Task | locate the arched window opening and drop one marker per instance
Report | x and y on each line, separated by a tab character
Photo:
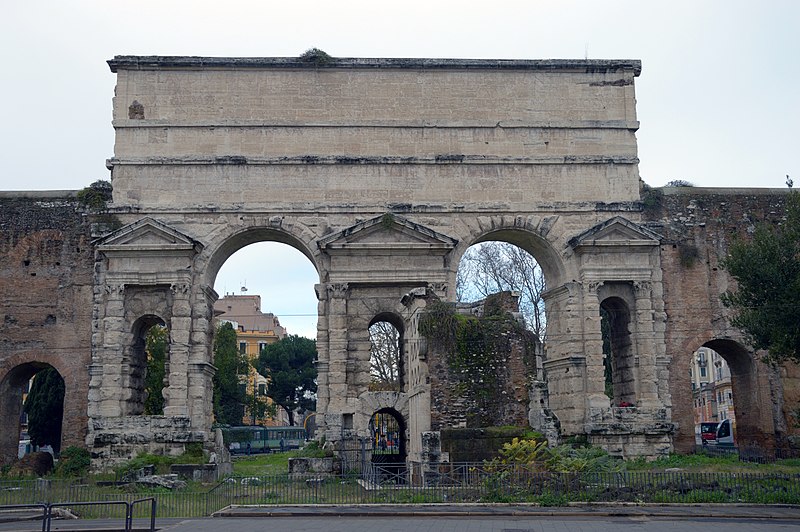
497	266
148	369
618	359
386	432
385	357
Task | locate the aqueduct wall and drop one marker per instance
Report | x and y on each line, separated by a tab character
382	172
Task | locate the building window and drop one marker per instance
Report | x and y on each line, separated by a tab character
702	371
262	389
243	347
261	346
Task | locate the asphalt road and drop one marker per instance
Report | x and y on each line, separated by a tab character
462	518
483	524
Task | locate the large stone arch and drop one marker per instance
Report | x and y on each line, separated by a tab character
532	234
754	384
223	243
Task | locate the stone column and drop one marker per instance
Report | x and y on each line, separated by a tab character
107	384
337	357
323	367
646	387
176	393
200	369
596	397
564	361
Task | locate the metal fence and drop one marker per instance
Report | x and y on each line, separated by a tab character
422	483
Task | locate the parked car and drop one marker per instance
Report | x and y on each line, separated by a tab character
724	433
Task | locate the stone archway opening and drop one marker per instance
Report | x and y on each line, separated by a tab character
148	366
386	357
735	393
19	409
280	274
712	393
266	290
618	357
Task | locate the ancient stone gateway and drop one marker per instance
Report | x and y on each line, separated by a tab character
382	172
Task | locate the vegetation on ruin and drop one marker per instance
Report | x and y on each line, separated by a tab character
315	56
767	273
387	220
73	462
95	199
651	198
288	365
538	456
96	196
476	350
194	455
679	183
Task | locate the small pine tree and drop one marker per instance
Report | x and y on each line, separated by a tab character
45	408
229	397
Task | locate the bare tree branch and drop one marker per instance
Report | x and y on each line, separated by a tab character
384	359
491	267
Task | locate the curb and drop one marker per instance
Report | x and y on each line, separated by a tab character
783	512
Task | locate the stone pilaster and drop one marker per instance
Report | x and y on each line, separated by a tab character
647	387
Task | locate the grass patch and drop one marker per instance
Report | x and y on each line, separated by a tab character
258	465
703	463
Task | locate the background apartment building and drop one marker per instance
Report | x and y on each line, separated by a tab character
711	387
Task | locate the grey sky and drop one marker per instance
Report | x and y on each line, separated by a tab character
717	98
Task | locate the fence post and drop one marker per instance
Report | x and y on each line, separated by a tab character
128	516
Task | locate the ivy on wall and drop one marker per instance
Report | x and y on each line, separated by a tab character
476	351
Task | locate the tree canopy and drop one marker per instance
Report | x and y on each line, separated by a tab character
45	408
229	395
767	273
288	365
384	356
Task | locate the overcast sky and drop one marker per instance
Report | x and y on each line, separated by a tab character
717	98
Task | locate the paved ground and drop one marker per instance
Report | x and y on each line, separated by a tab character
466	518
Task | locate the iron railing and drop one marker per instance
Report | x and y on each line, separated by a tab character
96	509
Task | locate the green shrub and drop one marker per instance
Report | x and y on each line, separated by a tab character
74	462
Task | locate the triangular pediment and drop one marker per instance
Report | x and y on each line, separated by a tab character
387	232
147	234
617	231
